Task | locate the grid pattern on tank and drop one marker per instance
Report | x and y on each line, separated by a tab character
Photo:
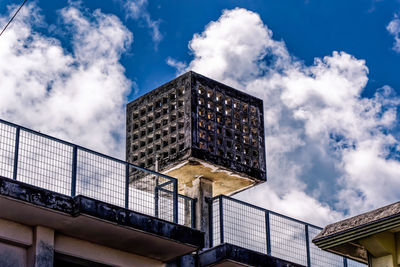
156	126
228	127
194	117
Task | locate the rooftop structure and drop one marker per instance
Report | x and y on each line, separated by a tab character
199	127
40	228
372	237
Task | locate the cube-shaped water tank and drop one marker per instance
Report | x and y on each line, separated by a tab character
195	126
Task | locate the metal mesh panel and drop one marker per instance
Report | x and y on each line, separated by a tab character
216	238
288	239
100	178
351	263
44	162
49	163
319	257
7	150
166	200
142	191
244	226
185	211
151	194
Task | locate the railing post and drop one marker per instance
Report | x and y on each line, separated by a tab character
193	212
344	262
156	197
268	233
307	246
221	219
175	183
210	220
17	133
74	166
127	186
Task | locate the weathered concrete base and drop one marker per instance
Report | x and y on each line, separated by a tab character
201	189
225	181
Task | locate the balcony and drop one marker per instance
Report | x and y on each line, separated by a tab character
262	231
83	194
59	166
47	181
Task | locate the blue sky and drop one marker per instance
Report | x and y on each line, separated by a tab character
328	72
309	28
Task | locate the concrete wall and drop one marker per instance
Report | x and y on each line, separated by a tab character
22	245
12	256
14	241
101	254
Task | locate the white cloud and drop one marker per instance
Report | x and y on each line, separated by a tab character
136	9
394	29
178	65
327	147
78	95
220	51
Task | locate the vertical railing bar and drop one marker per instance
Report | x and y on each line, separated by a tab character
268	232
156	199
156	191
193	211
210	220
221	219
16	152
74	167
344	262
307	246
127	186
175	208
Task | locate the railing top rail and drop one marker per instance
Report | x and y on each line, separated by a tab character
265	210
36	132
179	195
86	149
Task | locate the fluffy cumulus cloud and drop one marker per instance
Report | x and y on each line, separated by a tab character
394	29
137	9
77	94
328	149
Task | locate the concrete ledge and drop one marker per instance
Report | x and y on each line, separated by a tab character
231	255
146	223
37	196
96	221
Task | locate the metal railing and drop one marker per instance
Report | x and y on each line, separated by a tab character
44	161
248	226
53	164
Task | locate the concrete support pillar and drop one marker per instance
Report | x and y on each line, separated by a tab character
41	253
201	189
